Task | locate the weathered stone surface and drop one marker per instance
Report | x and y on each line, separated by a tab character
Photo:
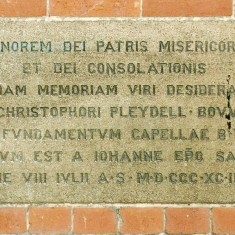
62	102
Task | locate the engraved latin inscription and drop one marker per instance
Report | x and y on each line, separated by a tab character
117	112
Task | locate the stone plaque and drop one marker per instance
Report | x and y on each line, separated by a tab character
117	112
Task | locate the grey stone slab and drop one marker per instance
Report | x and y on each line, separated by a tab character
117	112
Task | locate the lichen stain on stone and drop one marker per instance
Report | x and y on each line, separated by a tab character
228	116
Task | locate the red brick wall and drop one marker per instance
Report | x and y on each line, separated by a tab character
113	219
115	8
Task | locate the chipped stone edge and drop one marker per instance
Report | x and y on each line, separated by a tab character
118	205
113	19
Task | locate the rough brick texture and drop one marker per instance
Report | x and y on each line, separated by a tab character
22	8
187	220
224	220
105	8
141	220
12	220
50	220
95	221
171	8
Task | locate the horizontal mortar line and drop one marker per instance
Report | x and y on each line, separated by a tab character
118	205
134	19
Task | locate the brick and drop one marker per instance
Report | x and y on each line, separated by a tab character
95	221
101	8
141	220
50	220
12	220
22	8
187	220
174	8
224	220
